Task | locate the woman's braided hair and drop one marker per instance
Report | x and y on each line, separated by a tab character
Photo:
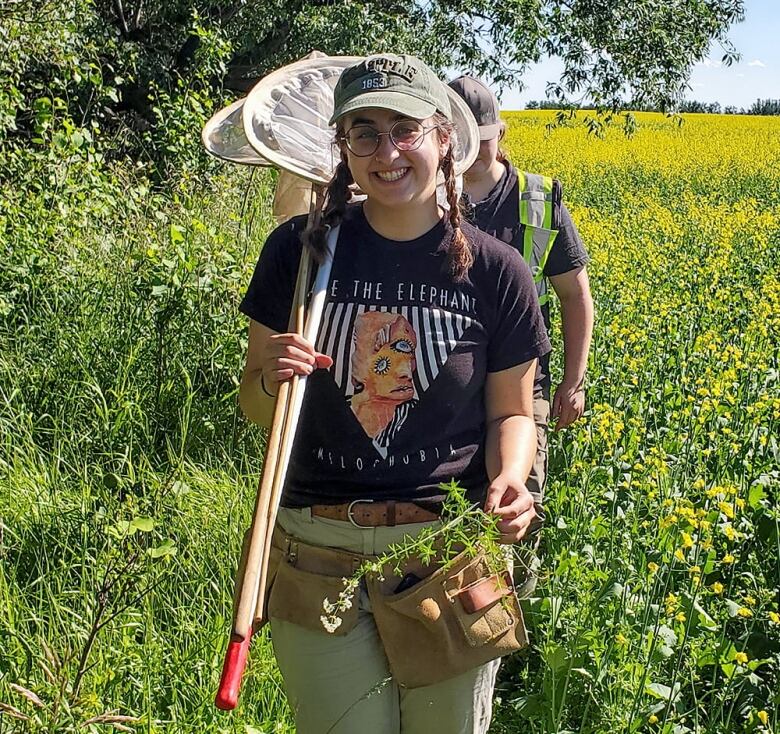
459	253
315	236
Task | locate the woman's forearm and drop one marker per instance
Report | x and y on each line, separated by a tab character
573	291
577	327
510	446
256	405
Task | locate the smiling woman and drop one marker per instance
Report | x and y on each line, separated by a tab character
421	374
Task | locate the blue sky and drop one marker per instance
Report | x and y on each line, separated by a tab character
756	75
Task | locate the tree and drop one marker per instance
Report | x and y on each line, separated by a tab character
765	107
146	72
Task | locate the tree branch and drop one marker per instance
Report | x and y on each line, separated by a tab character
137	16
120	11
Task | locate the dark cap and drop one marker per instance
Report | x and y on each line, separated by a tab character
482	103
399	83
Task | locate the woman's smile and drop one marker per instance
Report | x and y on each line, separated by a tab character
392	175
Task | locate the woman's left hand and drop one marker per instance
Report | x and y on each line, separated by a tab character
509	498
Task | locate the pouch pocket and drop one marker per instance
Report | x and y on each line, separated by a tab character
297	596
483	593
428	633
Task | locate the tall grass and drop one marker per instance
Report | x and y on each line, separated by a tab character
126	472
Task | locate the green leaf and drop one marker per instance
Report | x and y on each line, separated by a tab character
530	707
705	620
166	548
659	690
732	607
584	672
556	658
144	524
668	635
177	234
755	494
705	658
124	527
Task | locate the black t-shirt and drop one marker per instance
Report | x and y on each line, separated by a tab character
498	214
402	408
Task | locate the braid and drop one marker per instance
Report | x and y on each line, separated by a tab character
459	254
315	236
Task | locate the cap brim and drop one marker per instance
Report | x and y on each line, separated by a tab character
399	102
489	132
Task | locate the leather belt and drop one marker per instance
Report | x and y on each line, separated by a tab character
371	514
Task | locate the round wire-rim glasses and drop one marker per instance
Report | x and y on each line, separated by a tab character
363	140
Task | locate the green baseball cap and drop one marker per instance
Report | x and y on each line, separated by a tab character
402	84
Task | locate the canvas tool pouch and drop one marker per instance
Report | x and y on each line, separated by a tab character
454	620
305	576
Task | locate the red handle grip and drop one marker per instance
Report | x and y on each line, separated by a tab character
232	670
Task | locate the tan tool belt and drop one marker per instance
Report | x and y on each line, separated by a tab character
451	621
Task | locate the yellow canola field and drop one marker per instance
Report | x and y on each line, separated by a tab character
662	553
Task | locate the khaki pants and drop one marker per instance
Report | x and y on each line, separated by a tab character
342	684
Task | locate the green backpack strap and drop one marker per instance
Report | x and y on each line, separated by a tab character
537	214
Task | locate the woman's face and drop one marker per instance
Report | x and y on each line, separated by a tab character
392	177
392	367
488	150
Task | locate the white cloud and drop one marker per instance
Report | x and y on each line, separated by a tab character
709	64
757	62
740	76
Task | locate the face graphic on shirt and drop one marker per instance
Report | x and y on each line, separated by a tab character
382	368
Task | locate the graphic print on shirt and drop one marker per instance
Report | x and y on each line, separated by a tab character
385	359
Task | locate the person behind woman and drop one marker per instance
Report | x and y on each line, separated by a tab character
422	373
498	200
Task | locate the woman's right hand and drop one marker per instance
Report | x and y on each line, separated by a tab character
286	355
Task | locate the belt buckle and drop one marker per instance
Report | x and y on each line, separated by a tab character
350	506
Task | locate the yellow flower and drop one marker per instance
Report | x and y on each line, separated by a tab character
717	587
621	639
652	719
744	612
652	567
728	558
671	602
679	555
680	617
730	533
750	600
774	617
763	717
687	541
726	509
741	658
